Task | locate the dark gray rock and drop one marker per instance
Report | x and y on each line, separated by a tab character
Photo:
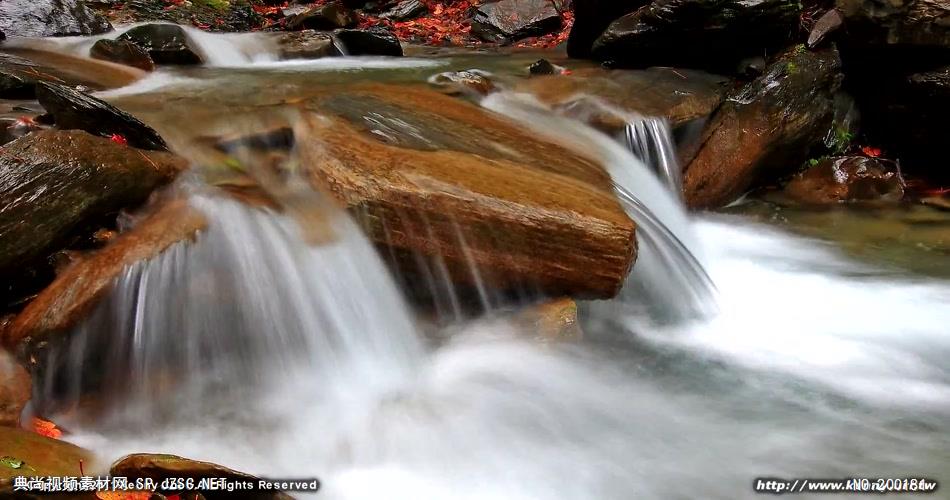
510	20
122	52
75	110
39	18
323	17
307	44
591	18
707	34
165	44
406	10
376	41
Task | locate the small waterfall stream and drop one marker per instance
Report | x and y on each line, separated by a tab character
259	350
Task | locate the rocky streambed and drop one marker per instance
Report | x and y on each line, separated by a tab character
822	118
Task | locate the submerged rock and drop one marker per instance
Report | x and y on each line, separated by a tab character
122	52
709	34
591	18
436	177
18	75
15	390
766	129
678	95
307	44
328	16
78	288
473	81
375	41
75	110
54	183
165	43
39	18
847	179
510	20
161	467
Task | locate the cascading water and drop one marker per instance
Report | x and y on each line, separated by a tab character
258	350
669	271
651	140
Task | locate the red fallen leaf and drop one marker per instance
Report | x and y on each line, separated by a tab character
45	428
566	71
119	139
871	151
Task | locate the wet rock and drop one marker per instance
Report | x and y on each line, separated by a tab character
555	320
473	81
375	41
161	467
708	34
828	23
122	52
37	455
12	129
542	67
765	129
40	18
75	110
20	69
438	176
78	288
510	20
165	43
53	183
591	18
329	16
406	10
679	95
752	67
15	388
307	44
847	179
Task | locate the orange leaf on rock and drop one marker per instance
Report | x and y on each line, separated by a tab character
871	151
46	428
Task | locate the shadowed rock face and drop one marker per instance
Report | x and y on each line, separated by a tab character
847	179
430	174
591	18
765	129
75	110
709	34
15	387
53	183
79	287
39	18
160	467
905	23
376	41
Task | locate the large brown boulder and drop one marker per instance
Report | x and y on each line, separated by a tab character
39	18
847	179
15	389
21	69
710	34
437	176
78	288
36	455
122	52
55	183
766	129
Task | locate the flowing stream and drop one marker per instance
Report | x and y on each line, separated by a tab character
738	349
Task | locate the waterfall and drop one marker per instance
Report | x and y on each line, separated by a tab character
249	305
651	140
668	276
